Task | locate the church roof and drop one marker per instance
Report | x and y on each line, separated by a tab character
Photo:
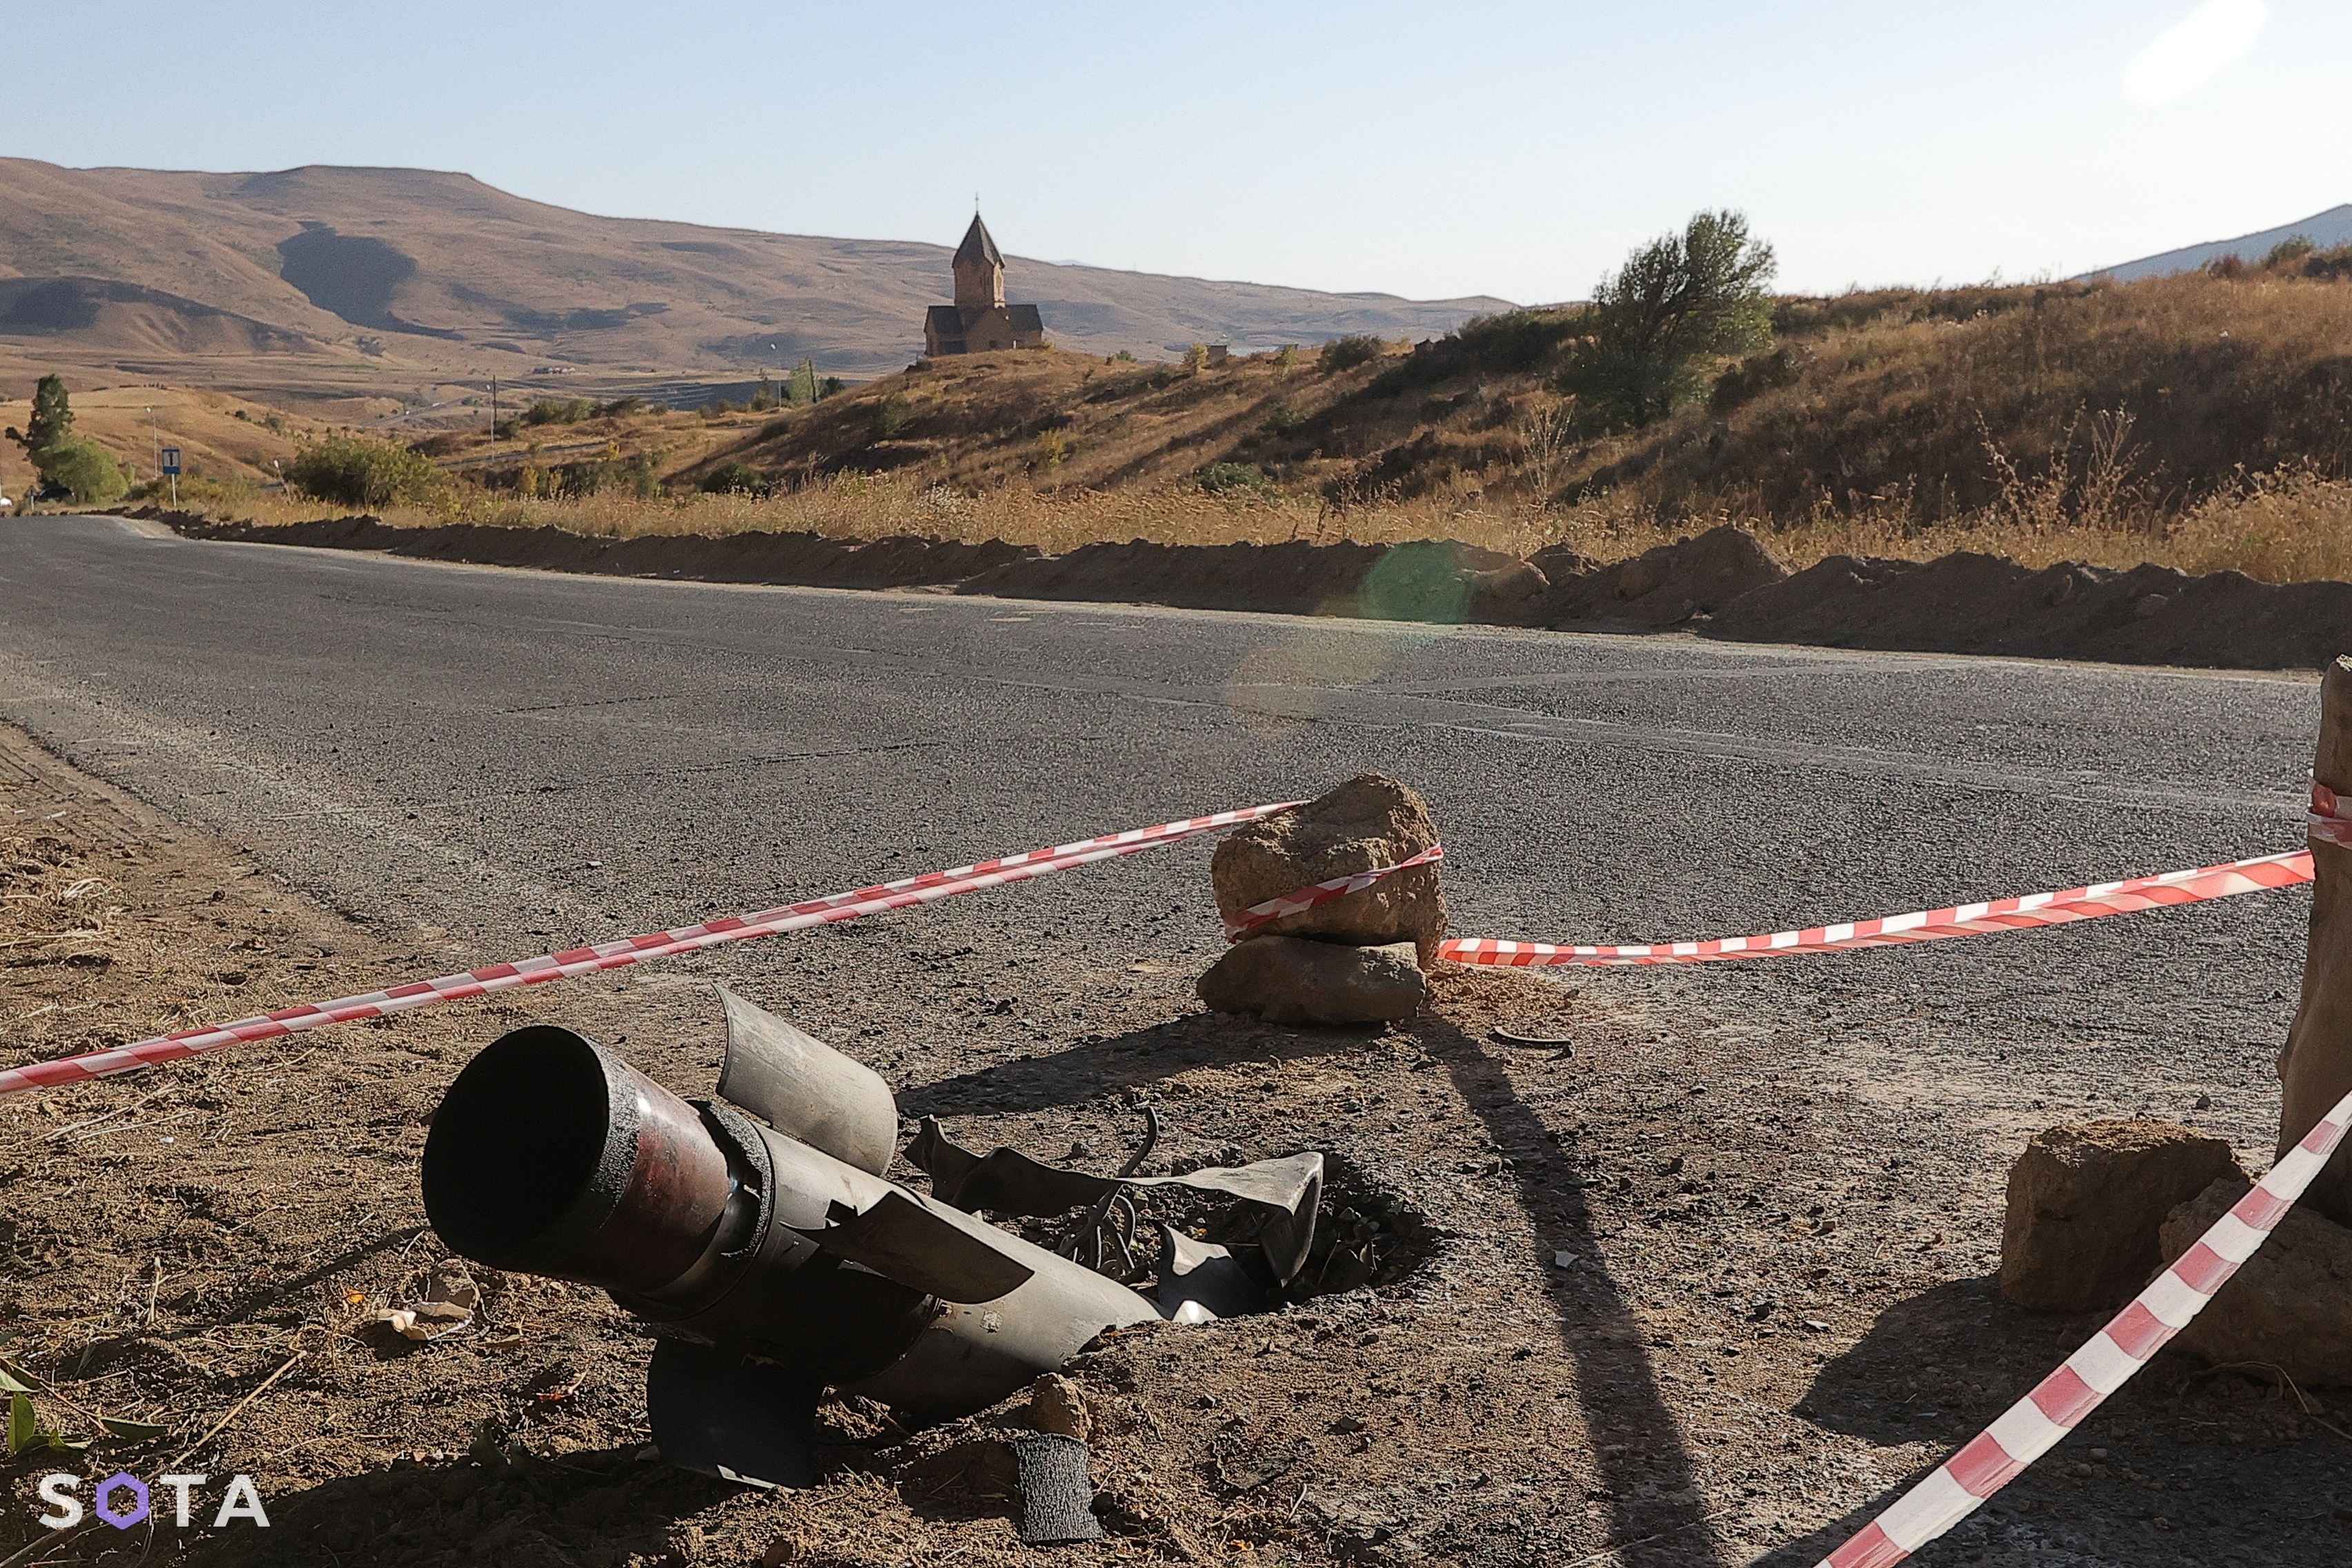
978	247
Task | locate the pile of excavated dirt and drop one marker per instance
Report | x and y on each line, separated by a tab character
1674	585
1967	603
805	559
1726	583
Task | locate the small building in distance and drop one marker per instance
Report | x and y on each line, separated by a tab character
980	320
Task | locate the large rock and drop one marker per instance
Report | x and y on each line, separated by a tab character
1294	980
2289	1306
2086	1202
1371	820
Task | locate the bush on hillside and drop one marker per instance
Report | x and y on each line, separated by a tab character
1348	352
890	417
353	471
2295	256
1516	342
558	411
1239	480
1756	374
735	477
2287	252
1678	304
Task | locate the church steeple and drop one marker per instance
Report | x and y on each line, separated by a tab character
979	270
980	322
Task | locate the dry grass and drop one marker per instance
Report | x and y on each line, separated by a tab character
2195	380
2199	422
2278	529
51	909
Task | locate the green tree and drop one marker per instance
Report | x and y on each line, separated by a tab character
801	387
1678	303
763	397
83	469
1348	352
52	419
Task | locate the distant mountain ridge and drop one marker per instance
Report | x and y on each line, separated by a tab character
440	272
2327	230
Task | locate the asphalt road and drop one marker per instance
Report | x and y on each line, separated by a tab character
519	759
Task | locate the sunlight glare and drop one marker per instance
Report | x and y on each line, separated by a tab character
2184	57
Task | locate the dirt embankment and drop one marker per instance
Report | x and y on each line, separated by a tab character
805	560
1724	584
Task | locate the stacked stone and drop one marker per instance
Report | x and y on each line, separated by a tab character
1357	960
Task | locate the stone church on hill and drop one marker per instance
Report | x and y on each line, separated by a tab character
980	320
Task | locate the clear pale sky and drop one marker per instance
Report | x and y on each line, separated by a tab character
1479	146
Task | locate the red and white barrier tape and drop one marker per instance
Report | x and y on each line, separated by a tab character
2223	882
923	890
1257	915
2033	1426
2326	820
2007	914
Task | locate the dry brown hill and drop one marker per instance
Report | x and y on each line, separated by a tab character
404	281
2051	405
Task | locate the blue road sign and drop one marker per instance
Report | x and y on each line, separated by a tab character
171	461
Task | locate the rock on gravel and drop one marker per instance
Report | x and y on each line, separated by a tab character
1057	1406
2289	1307
1298	980
1371	821
2085	1202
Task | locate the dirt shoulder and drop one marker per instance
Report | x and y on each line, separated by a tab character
1677	1297
1724	584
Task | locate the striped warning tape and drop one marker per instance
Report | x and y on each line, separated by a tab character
617	954
2007	914
1257	915
2223	882
2326	821
2033	1426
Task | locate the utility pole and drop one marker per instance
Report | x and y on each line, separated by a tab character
494	413
154	441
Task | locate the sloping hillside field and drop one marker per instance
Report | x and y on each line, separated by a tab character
398	277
